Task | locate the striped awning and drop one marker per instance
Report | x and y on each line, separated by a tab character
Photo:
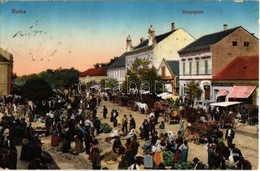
222	92
242	92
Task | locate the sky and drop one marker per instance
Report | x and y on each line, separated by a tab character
52	34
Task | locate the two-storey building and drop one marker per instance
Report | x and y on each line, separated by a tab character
155	48
159	47
203	58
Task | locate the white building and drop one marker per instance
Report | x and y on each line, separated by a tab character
155	48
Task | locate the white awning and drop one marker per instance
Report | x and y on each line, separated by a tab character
224	104
163	94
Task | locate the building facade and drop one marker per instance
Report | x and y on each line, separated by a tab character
117	69
206	56
155	48
238	81
159	47
6	70
169	72
93	74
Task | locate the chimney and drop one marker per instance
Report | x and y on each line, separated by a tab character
151	35
225	27
128	43
141	39
172	26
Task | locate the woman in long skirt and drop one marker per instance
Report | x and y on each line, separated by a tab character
54	138
157	153
184	152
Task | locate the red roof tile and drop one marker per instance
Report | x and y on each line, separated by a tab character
241	68
94	72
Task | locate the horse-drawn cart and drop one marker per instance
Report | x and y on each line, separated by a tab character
201	130
226	119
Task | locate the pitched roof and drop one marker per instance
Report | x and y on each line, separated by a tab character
241	68
120	62
5	56
158	39
101	71
208	40
174	65
3	59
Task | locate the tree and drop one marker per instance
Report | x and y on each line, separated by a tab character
142	77
193	90
97	65
36	89
48	76
66	78
61	78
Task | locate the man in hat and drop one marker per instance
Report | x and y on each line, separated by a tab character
213	155
236	154
124	124
96	124
230	134
132	123
105	111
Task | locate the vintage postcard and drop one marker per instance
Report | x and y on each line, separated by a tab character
129	85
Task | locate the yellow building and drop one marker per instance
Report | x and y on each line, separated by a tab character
6	72
93	74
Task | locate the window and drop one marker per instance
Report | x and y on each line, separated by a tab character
234	43
206	66
246	44
163	71
190	67
183	68
197	67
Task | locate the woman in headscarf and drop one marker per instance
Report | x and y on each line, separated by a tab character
148	158
177	150
54	137
157	153
94	146
79	135
184	152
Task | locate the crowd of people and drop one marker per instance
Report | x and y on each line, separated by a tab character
76	121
